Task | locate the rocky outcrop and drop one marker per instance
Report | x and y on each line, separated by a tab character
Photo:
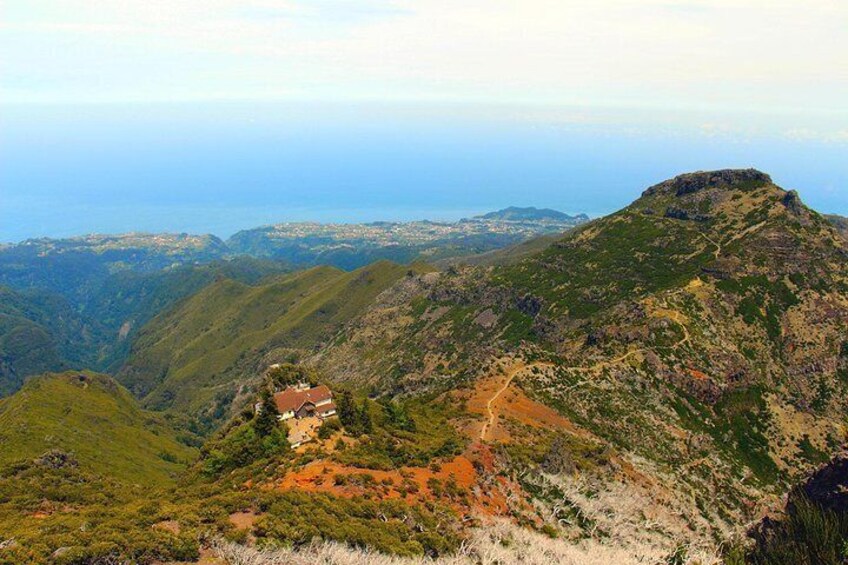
827	486
793	202
694	182
56	459
676	213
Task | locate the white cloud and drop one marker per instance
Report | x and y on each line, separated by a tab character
762	55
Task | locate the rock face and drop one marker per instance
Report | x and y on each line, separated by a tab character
793	202
694	182
676	213
821	499
828	485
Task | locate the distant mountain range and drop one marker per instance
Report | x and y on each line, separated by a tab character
78	302
514	213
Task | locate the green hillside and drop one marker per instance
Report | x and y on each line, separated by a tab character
41	332
199	352
45	331
698	334
75	267
95	419
127	300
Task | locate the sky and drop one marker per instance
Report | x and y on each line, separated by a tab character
223	114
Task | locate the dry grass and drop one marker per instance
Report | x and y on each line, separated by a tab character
631	515
499	543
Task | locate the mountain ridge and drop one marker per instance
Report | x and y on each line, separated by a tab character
517	213
693	330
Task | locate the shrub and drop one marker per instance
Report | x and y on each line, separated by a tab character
810	535
328	428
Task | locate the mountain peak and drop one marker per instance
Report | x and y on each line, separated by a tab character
531	213
693	182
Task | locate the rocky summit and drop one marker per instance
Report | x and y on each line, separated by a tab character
694	182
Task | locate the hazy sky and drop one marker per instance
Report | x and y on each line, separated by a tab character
762	55
378	103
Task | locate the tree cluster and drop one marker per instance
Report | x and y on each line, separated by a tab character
355	417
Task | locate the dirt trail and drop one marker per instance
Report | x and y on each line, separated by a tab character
672	314
515	370
492	416
718	246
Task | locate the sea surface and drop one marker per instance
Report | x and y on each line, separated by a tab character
221	167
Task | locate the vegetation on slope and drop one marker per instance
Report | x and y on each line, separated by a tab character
42	332
76	267
60	509
813	528
93	327
229	332
692	332
95	419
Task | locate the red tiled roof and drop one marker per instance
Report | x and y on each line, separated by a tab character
326	408
290	400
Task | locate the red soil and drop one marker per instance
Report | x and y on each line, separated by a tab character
320	476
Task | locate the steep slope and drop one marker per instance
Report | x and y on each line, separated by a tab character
698	335
41	332
44	331
203	350
505	256
97	421
839	222
127	300
86	476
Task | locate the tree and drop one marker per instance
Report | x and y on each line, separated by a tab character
363	415
356	419
398	416
346	410
266	421
277	442
287	374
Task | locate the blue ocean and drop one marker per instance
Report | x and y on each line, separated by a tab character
224	166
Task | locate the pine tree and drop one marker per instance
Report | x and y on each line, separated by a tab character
364	418
346	410
266	421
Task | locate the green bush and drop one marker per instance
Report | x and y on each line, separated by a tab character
810	535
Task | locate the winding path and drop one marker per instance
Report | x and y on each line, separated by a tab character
490	422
